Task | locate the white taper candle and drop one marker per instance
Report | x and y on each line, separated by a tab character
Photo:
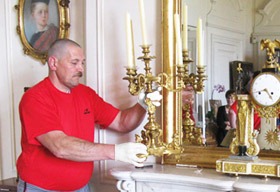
178	39
199	43
143	21
185	28
129	41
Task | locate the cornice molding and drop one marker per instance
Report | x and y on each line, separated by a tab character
267	13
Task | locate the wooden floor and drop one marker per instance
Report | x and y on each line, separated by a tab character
8	185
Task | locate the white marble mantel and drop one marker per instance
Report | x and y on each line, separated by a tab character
170	178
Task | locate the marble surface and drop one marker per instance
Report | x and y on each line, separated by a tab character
165	178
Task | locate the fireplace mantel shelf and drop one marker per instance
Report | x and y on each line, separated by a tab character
171	178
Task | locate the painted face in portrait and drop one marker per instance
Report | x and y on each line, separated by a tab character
40	14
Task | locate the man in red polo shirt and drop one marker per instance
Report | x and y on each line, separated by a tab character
58	116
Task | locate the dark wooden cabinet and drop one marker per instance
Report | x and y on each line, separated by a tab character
239	79
8	185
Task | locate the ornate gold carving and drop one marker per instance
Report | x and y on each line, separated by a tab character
195	80
264	169
234	145
253	147
191	134
270	46
258	167
136	82
267	112
219	165
271	137
244	115
152	135
244	132
235	167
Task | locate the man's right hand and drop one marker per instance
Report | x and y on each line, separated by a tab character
130	153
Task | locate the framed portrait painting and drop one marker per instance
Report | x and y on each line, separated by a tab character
40	23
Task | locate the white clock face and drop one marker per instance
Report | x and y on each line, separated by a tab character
265	89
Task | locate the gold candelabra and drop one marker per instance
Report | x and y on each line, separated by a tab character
151	136
195	80
191	134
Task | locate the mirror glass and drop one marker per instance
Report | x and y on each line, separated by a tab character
269	128
231	51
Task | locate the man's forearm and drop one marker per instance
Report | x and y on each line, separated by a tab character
75	149
128	119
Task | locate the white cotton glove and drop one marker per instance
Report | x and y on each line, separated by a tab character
127	152
155	97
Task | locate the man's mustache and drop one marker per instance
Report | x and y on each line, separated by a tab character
79	74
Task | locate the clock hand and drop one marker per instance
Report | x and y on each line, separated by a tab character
270	96
265	90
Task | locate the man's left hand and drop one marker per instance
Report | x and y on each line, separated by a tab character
155	97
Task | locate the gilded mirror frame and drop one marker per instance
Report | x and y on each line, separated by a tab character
203	156
60	15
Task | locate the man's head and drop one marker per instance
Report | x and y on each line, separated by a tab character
188	95
66	64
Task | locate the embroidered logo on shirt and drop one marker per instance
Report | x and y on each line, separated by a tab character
86	111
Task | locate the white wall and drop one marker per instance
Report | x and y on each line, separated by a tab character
228	28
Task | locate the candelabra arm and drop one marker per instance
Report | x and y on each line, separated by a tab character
164	80
194	80
136	82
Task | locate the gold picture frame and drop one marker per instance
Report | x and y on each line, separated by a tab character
57	28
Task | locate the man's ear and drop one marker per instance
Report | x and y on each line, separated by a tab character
52	61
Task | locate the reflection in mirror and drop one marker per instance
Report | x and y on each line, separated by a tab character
193	120
211	127
227	38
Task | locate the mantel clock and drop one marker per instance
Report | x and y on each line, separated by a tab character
265	89
264	98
